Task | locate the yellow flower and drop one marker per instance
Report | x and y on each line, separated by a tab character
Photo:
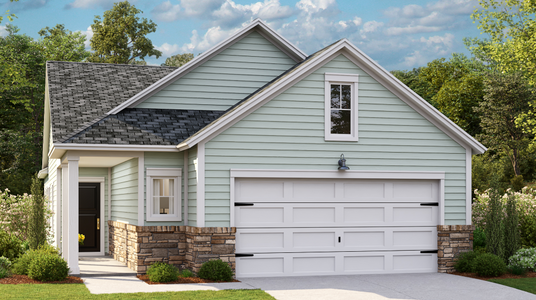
81	238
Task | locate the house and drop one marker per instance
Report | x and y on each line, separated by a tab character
276	162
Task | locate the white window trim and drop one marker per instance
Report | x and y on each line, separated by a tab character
155	173
336	78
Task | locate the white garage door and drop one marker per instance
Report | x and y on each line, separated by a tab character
297	227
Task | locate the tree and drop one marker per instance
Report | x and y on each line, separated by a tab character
37	226
61	44
454	88
511	28
8	15
178	60
120	37
506	96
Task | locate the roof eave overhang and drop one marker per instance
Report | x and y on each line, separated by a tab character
371	67
58	149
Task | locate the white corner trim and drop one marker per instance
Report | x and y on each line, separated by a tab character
201	185
176	173
468	187
141	189
369	66
194	63
336	174
103	223
232	190
109	195
442	202
185	189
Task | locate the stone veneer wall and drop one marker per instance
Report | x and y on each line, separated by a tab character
185	247
451	241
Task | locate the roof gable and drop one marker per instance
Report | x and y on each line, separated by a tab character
257	25
312	63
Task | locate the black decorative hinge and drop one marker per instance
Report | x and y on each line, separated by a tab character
243	255
429	251
430	204
243	204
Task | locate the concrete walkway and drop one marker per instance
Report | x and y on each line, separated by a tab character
99	266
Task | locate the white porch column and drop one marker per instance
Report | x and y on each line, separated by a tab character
64	211
72	231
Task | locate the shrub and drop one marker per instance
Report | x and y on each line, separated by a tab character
48	267
487	264
479	238
524	258
162	272
465	262
517	270
186	273
10	245
511	228
37	224
494	230
21	266
528	231
5	264
216	270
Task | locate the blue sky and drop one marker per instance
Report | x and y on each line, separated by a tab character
397	34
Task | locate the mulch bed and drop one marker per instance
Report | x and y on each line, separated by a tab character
504	276
181	280
20	279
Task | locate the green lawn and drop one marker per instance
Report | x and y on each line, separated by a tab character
79	291
524	284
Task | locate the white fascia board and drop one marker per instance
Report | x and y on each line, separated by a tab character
393	84
349	174
58	149
194	63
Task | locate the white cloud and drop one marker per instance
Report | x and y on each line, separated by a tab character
90	4
3	31
411	29
166	12
89	34
199	44
168	50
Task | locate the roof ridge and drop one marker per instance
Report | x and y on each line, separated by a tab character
108	64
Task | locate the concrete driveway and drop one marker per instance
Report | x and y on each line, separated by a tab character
430	286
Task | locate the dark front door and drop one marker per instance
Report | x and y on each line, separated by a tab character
89	220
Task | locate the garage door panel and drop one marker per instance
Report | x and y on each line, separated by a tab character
303	264
335	215
270	240
336	190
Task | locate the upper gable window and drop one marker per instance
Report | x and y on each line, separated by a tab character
341	107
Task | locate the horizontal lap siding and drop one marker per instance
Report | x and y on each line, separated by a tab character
163	160
125	192
100	172
288	133
192	187
51	183
226	78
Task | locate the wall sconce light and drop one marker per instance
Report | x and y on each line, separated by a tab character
342	163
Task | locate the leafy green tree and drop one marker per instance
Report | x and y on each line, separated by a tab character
455	87
61	44
511	235
8	15
493	227
506	97
511	27
178	60
120	37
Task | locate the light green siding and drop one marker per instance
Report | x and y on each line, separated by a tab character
288	133
163	160
125	192
226	78
192	187
100	172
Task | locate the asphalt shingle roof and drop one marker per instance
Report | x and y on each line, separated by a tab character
82	93
145	126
